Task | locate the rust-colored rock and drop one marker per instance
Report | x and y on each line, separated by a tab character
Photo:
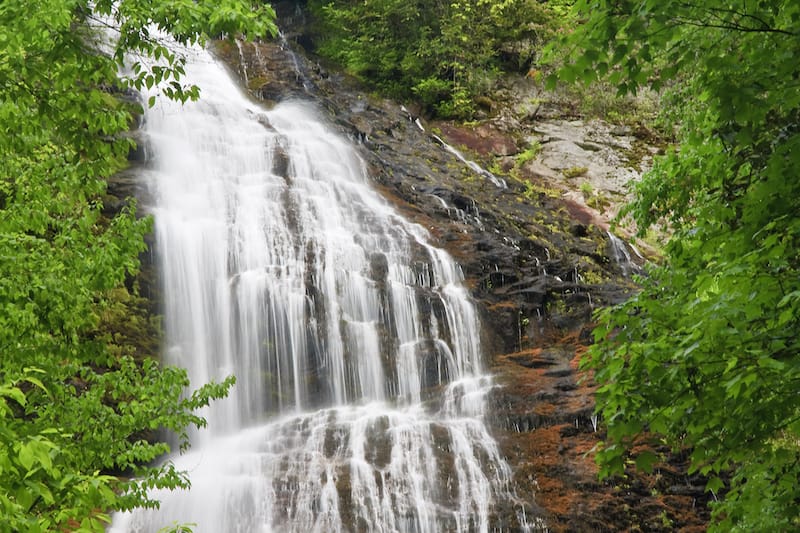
546	428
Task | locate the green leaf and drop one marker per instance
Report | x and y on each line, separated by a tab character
14	393
26	457
645	461
715	484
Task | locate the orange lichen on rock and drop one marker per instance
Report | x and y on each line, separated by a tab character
550	436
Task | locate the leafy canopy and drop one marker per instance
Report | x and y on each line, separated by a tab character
707	355
443	54
75	404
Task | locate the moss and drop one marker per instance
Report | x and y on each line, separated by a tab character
534	191
574	172
495	168
128	325
599	202
256	83
484	102
593	276
528	155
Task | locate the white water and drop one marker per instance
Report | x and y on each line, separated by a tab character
360	389
622	257
475	167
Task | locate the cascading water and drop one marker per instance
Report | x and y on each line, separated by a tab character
619	252
360	390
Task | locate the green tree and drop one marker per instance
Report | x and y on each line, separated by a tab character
75	406
443	54
706	356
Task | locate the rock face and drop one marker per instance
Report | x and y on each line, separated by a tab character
538	263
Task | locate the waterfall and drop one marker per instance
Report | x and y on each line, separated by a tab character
475	167
360	391
622	257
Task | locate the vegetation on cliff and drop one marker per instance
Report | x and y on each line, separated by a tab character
442	54
76	406
706	357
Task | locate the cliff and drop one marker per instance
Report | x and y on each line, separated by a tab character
523	200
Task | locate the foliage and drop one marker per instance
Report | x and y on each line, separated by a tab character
76	410
441	53
530	153
706	356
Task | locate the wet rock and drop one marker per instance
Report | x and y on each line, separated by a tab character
379	267
139	152
579	230
280	161
123	187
